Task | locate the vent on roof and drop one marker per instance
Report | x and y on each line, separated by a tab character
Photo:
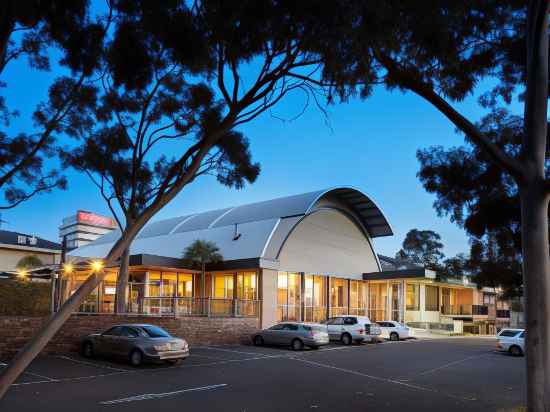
236	235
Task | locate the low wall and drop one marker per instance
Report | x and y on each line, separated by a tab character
15	331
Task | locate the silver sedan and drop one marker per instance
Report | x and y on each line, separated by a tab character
293	334
137	343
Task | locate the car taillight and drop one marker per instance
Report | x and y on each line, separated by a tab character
361	331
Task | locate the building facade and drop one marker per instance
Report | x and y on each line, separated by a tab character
14	246
305	257
83	228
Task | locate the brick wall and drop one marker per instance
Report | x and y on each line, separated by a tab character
15	331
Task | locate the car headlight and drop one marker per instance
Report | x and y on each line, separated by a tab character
162	348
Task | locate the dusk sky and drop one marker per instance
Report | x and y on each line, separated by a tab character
370	145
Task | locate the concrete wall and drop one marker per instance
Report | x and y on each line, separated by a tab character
10	257
269	297
17	330
327	242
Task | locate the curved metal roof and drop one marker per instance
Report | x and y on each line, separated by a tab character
252	216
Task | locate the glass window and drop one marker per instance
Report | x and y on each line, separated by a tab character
378	299
223	286
169	283
413	296
358	297
115	331
277	327
153	284
247	286
290	326
129	332
315	298
350	321
335	321
155	331
432	298
288	296
185	285
338	296
507	333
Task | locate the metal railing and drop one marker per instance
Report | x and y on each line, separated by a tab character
188	306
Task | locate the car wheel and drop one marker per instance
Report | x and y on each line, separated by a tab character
394	336
297	344
515	350
88	350
346	339
258	340
136	357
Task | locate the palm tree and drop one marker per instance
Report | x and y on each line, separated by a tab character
201	252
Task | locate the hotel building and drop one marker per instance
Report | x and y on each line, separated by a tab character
305	257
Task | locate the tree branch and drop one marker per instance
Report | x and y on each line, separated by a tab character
413	82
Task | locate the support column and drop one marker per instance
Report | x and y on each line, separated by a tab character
328	297
349	295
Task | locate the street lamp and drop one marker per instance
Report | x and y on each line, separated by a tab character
97	265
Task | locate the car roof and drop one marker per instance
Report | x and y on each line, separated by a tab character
513	329
135	325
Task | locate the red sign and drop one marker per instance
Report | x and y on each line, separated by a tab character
93	219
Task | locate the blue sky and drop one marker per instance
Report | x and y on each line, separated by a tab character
370	145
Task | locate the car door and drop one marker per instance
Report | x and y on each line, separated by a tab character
124	342
289	332
272	335
107	341
335	327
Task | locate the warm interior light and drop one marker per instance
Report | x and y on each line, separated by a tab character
67	268
97	265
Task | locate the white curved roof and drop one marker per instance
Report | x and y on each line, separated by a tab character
256	222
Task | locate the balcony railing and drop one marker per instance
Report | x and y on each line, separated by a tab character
185	306
465	310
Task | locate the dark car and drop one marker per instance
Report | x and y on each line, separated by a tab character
136	342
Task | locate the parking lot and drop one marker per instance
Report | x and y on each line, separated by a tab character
444	374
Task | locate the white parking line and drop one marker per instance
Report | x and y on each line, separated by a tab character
149	396
40	376
450	364
386	380
233	351
96	365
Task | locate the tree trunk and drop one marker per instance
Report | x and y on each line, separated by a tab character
25	356
536	280
205	302
122	283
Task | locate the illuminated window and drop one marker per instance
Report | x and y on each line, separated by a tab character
413	296
432	298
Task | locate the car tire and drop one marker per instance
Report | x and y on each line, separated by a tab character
515	350
136	357
87	350
394	336
346	339
258	340
297	345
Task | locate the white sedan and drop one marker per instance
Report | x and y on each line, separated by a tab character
393	330
511	341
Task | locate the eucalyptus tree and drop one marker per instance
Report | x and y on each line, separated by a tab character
422	247
441	51
34	30
212	45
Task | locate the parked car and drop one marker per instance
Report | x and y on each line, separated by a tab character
349	328
136	342
293	334
511	341
393	330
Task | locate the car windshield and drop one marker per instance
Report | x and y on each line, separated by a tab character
155	332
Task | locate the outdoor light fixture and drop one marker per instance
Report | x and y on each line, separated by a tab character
97	265
22	273
67	268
